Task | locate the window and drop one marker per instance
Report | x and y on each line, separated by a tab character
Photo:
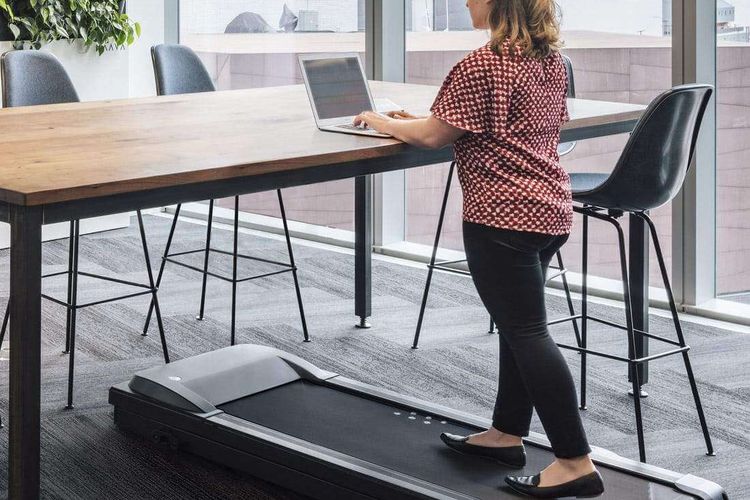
255	43
733	140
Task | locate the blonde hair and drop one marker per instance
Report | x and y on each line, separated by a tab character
531	26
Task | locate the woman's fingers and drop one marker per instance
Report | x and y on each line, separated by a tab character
400	115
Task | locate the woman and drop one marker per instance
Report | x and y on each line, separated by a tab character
502	107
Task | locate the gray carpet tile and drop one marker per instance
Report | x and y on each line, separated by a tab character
86	456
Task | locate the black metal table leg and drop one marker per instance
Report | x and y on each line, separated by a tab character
25	357
363	249
639	278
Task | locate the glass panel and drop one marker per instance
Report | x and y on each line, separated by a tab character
733	149
625	58
255	43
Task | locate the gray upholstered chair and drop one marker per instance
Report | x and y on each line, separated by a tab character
33	78
178	70
450	266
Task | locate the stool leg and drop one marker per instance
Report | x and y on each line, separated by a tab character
680	334
234	266
6	317
152	285
568	297
161	266
431	267
294	266
73	310
631	340
584	306
70	291
205	259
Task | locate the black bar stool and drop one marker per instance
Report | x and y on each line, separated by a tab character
178	70
32	78
450	266
649	174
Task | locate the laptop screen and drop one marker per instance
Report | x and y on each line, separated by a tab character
337	87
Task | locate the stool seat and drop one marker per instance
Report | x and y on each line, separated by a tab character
581	184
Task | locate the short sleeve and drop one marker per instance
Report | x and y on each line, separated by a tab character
565	115
466	100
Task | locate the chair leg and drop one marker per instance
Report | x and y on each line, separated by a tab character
568	297
492	327
73	309
584	307
162	266
6	317
431	267
294	266
680	334
152	285
234	267
634	377
70	284
205	260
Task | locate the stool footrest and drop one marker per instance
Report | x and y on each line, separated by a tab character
622	358
98	302
287	269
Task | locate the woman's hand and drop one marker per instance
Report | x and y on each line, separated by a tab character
373	120
402	115
428	132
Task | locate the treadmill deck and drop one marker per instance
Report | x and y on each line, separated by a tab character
405	441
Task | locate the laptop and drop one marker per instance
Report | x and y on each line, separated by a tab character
338	92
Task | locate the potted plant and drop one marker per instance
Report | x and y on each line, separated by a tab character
99	24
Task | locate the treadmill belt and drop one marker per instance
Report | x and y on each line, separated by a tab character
404	441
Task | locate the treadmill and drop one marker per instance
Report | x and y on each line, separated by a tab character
275	416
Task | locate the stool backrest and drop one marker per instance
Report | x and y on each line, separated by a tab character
571	78
566	148
179	70
656	159
33	78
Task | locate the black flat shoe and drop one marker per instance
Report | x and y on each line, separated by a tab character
512	456
588	486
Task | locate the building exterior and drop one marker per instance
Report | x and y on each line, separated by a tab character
726	30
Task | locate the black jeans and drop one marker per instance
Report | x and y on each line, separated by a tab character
509	271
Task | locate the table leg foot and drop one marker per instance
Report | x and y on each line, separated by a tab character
363	323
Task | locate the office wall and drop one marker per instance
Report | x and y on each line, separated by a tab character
150	14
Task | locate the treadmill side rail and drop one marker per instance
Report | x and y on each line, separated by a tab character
701	488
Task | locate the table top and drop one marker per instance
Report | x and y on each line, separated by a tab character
65	152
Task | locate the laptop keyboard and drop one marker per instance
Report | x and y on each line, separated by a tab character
352	127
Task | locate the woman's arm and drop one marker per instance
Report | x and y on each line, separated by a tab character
429	132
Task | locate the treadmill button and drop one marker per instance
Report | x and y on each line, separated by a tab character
444	422
397	413
428	418
412	417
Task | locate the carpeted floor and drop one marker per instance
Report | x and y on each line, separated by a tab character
85	456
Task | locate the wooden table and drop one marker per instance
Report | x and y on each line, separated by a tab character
74	161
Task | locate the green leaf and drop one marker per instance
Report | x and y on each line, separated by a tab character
15	30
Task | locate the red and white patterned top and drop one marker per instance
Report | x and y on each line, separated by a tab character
512	107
